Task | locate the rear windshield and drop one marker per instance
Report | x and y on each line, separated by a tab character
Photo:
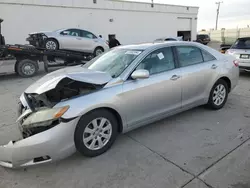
242	44
203	36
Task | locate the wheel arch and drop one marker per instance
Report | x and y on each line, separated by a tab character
228	81
99	47
53	38
115	113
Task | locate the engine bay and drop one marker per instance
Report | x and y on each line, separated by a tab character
66	89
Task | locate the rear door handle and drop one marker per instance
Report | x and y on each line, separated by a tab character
175	77
214	66
78	38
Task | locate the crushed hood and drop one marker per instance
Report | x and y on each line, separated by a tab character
77	73
44	32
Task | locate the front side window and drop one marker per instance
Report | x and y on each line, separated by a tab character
158	61
71	32
113	62
189	55
87	34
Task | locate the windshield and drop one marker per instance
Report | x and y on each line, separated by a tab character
242	44
113	62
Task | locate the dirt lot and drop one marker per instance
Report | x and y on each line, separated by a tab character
195	149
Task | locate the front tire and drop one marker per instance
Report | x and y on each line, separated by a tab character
51	44
218	95
95	133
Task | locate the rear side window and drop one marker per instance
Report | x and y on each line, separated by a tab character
243	43
207	56
189	55
87	34
170	39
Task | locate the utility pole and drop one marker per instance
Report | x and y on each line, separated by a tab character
218	12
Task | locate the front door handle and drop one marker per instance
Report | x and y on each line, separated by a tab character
175	77
78	38
214	66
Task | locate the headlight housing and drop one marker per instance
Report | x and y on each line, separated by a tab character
44	117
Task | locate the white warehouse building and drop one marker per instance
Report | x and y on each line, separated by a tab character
131	22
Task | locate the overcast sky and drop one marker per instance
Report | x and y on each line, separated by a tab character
233	13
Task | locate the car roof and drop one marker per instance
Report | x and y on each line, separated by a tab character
247	38
146	46
176	38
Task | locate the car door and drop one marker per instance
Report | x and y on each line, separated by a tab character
89	41
152	98
198	73
70	39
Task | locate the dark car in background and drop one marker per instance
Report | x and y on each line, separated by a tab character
203	39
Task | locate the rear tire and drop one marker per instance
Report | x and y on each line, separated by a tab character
26	68
218	95
98	51
92	137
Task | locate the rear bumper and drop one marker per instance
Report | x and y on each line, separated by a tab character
51	145
244	65
242	68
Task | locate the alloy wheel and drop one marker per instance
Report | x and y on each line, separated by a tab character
97	133
51	45
219	94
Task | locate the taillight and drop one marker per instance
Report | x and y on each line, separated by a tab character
236	63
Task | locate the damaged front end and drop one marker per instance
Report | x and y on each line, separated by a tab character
36	110
47	136
37	39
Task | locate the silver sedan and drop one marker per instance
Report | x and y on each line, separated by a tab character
241	51
84	108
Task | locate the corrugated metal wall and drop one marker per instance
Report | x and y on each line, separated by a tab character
131	22
227	36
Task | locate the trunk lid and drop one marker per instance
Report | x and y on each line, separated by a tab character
240	53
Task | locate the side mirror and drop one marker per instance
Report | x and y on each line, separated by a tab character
140	74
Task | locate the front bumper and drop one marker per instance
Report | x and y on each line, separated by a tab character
32	41
51	145
37	40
